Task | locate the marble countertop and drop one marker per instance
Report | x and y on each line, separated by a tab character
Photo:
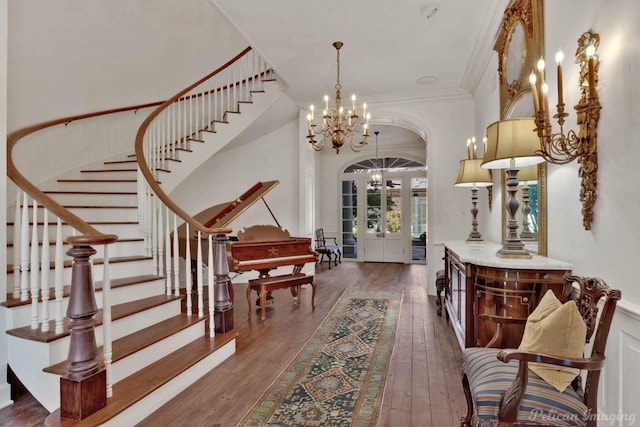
485	254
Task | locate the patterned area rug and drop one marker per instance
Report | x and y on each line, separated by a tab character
338	378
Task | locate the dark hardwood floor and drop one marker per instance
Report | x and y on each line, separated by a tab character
423	385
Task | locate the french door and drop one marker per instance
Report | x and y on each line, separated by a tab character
384	231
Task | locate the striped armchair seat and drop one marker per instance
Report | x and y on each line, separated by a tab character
542	403
502	390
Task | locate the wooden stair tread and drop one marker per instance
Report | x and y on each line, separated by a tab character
118	311
88	207
111	170
95	180
115	283
53	243
137	341
88	222
90	192
139	385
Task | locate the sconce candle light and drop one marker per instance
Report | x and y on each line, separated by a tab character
564	147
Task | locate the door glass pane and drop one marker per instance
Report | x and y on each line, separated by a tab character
374	209
394	205
418	219
349	219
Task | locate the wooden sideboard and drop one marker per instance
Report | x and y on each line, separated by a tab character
478	282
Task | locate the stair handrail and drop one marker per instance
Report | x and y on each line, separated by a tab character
142	161
88	231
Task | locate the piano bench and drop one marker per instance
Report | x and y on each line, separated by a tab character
266	284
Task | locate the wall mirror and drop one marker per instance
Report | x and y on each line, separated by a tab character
518	44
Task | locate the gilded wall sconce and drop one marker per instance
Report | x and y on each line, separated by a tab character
565	146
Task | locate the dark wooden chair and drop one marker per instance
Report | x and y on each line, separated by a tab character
322	248
502	391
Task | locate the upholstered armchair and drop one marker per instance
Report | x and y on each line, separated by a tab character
525	386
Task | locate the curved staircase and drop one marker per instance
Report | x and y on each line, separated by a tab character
159	343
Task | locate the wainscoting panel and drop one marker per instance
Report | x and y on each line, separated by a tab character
620	381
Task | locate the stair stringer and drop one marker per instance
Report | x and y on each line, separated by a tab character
224	133
28	358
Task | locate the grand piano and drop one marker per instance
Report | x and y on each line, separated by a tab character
262	248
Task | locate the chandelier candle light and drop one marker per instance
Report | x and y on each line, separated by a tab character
564	147
338	124
470	174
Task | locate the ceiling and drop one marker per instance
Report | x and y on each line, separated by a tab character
394	51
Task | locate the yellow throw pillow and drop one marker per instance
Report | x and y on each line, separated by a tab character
556	329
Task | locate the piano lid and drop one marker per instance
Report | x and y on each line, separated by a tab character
220	216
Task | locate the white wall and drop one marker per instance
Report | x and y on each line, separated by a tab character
5	395
610	249
447	123
93	55
230	173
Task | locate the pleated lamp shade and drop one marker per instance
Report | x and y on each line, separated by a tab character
512	143
470	174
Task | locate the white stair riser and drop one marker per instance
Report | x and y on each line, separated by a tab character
21	315
117	165
28	358
95	186
95	199
141	409
117	249
112	173
118	269
128	230
143	358
225	133
87	214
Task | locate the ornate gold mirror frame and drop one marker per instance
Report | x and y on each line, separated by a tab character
519	43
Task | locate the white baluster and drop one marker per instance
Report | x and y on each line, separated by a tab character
35	262
24	250
187	259
215	102
44	274
59	275
17	245
199	276
176	256
181	122
190	116
154	235
148	214
160	238
106	320
167	244
141	182
211	284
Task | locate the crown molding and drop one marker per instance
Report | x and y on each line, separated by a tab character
483	49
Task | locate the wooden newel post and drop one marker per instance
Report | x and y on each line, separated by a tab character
223	306
83	388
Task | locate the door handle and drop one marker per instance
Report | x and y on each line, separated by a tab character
380	235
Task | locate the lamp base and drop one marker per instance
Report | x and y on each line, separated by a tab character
475	238
513	249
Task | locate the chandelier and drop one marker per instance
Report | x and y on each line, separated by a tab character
338	124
